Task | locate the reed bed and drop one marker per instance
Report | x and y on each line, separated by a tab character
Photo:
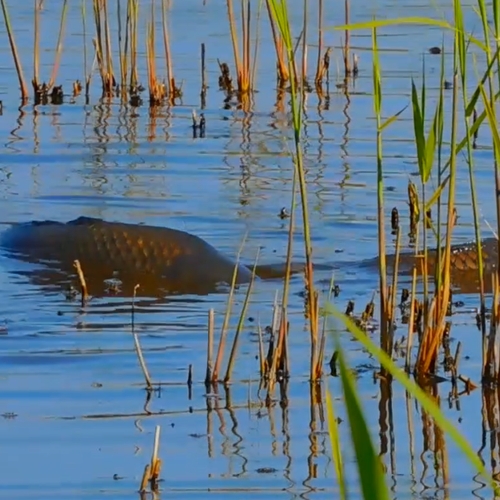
437	151
119	68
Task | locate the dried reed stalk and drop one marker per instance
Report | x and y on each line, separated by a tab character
133	6
319	68
392	309
102	44
243	63
15	54
225	324
173	91
138	349
433	334
282	67
123	48
491	364
210	346
59	47
411	321
239	328
36	46
304	42
157	90
81	278
347	64
262	359
152	470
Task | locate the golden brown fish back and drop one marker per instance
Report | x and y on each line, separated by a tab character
155	257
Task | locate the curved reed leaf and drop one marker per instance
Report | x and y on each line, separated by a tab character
333	431
371	474
429	21
425	401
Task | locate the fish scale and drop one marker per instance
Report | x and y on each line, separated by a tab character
160	258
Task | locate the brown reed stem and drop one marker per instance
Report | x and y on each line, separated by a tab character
490	366
88	76
134	20
277	352
123	47
225	324
103	52
203	92
392	309
145	479
234	38
152	470
239	328
168	55
411	320
210	346
245	70
36	46
347	63
283	73
243	64
109	60
137	345
81	278
256	48
319	366
319	64
297	106
156	88
57	60
304	42
289	250
262	360
15	54
433	337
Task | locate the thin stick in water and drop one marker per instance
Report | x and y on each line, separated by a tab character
137	344
232	356
83	283
210	347
203	93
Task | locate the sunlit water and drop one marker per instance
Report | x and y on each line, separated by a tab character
71	390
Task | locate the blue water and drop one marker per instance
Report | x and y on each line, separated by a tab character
71	391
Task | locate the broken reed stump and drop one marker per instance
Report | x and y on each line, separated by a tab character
83	283
152	470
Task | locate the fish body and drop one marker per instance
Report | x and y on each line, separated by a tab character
169	261
156	258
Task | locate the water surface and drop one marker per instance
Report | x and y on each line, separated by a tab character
71	391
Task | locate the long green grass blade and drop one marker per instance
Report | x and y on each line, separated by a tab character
428	21
392	119
371	474
418	127
425	401
493	124
333	431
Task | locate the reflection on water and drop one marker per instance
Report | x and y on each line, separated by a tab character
75	420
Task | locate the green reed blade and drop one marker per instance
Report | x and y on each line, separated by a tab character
333	432
371	475
416	391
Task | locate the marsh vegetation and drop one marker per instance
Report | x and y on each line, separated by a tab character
131	57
